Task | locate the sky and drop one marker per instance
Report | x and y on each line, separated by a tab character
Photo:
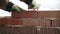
4	13
44	5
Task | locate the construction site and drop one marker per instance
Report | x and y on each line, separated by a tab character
31	22
25	19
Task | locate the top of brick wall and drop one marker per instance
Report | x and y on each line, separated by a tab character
36	14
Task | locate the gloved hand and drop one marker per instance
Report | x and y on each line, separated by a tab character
16	8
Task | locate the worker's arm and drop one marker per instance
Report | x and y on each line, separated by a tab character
11	7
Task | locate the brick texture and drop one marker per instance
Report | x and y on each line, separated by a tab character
29	30
44	22
25	14
14	21
56	23
48	14
39	14
10	21
48	31
3	21
35	22
32	18
30	21
17	30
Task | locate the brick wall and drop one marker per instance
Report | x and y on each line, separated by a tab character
48	14
29	30
25	14
32	18
10	21
35	22
36	18
49	30
35	14
14	21
56	23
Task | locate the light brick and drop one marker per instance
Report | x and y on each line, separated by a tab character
56	23
48	14
35	22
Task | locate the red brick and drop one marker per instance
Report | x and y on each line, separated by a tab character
47	31
41	14
25	14
59	14
56	23
14	21
30	21
10	21
3	21
48	14
44	22
0	20
35	22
